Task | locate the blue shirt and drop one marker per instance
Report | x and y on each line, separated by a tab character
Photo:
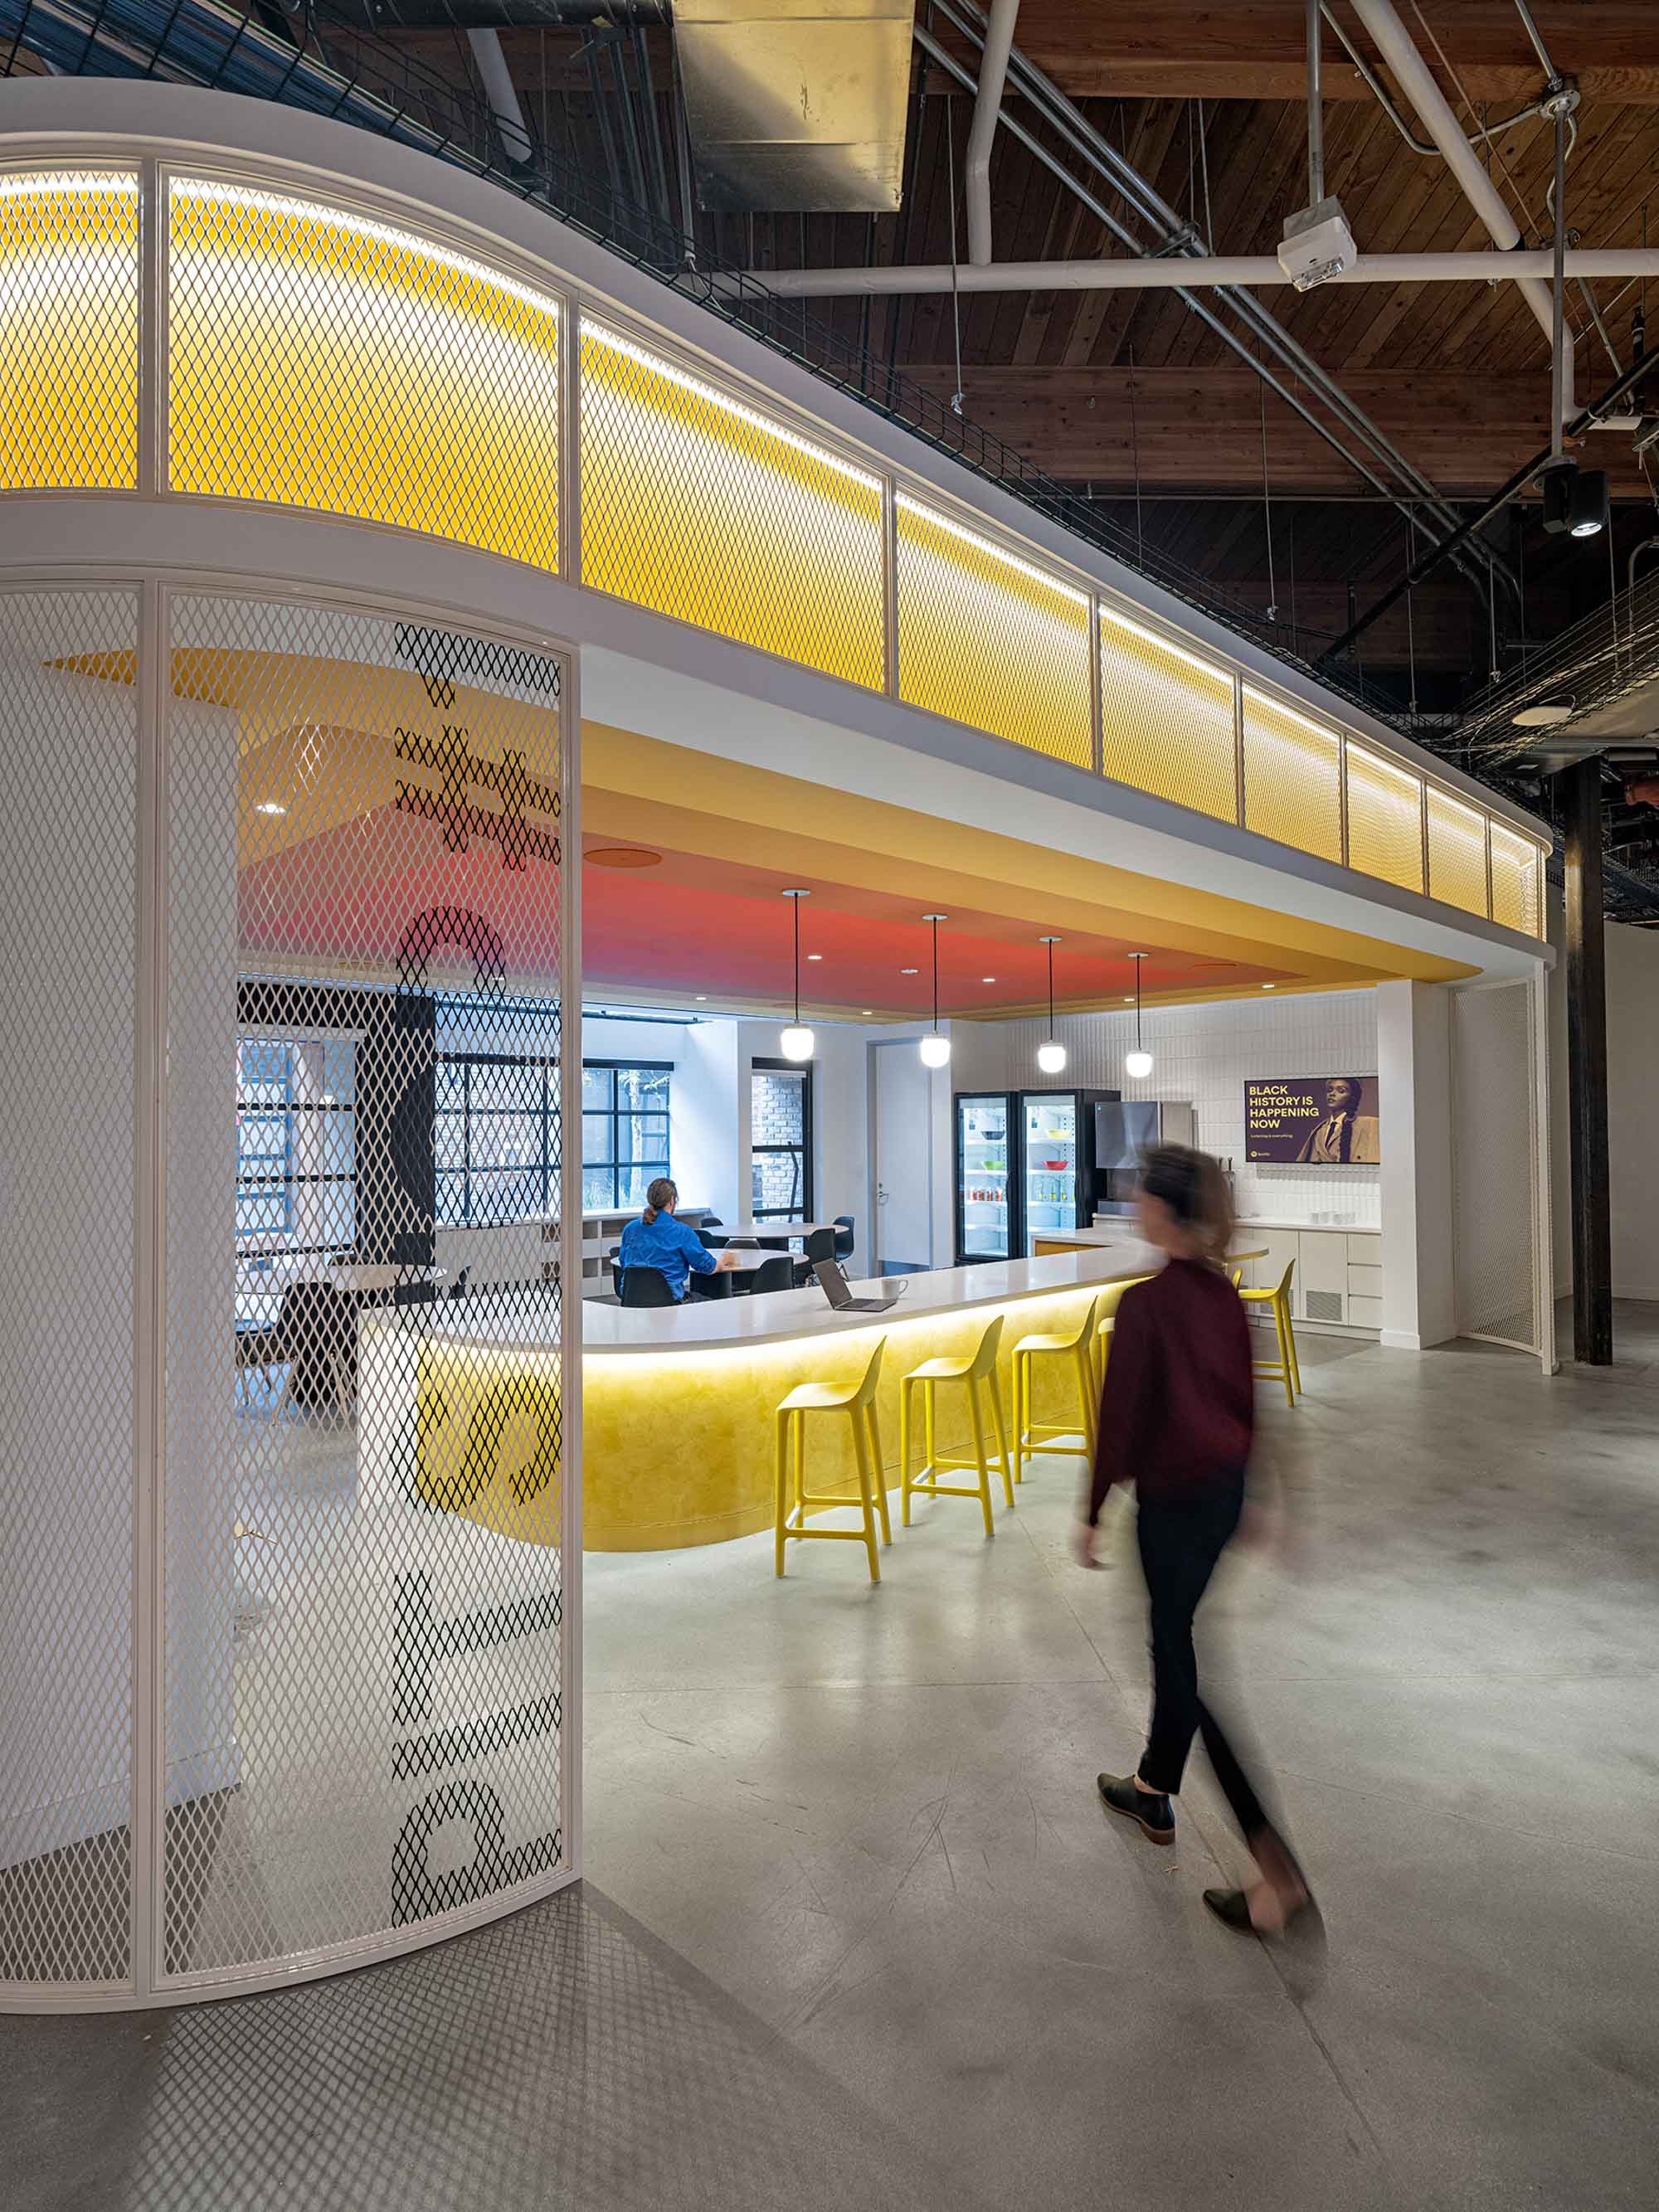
669	1245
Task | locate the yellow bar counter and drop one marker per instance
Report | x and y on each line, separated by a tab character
678	1403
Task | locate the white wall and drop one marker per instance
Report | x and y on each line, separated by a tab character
1632	1109
1414	1073
1204	1055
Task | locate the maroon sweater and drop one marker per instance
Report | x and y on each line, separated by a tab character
1178	1408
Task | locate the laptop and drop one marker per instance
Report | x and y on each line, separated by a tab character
837	1289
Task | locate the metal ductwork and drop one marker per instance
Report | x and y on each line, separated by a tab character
796	105
504	15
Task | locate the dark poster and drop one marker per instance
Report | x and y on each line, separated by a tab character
1316	1120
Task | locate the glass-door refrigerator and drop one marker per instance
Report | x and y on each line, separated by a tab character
987	1197
1058	1184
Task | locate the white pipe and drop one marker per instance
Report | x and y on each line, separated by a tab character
1411	73
1478	266
502	93
988	104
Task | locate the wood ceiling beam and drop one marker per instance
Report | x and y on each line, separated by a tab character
1254	48
1201	428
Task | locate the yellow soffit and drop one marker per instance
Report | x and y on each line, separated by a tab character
717	807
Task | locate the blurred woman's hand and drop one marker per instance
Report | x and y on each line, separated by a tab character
1086	1544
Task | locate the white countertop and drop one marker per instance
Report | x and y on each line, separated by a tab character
741	1323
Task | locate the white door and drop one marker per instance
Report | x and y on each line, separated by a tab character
904	1240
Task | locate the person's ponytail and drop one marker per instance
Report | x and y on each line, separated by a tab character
661	1198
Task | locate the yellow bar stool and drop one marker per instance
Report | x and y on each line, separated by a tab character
975	1372
1285	1369
793	1498
1105	1322
1077	1346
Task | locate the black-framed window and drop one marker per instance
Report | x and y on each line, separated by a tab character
296	1143
624	1131
497	1137
780	1141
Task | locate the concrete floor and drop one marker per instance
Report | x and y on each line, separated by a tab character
856	1934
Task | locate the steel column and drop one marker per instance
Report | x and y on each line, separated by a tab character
1580	788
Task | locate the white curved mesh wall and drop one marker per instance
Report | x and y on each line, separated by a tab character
67	1376
237	1260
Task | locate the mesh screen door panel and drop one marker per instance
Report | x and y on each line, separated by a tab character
1495	1164
68	916
364	1500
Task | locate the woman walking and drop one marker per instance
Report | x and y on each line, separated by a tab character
1176	1418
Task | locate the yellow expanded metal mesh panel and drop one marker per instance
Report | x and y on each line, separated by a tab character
1385	820
694	506
1457	853
989	639
69	330
316	360
1166	719
1292	781
1518	878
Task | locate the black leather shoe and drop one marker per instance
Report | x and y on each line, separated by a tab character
1303	1928
1121	1793
1232	1907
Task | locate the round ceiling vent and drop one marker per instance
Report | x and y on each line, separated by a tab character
621	856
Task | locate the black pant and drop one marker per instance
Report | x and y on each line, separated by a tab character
1180	1547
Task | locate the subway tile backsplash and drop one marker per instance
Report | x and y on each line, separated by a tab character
1205	1054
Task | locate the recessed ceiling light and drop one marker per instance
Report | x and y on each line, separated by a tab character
269	807
1270	987
815	955
1128	998
621	856
987	979
909	971
703	998
866	1010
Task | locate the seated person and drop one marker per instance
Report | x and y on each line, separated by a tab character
657	1240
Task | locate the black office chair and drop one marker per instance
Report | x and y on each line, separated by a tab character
414	1294
709	1241
820	1245
778	1274
646	1287
721	1285
845	1229
457	1288
616	1270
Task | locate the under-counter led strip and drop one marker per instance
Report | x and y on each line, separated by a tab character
357	226
657	366
1165	645
932	515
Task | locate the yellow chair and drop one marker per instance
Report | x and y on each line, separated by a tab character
1077	1346
1285	1369
980	1370
1106	1307
791	1496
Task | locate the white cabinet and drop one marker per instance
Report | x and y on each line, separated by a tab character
1339	1271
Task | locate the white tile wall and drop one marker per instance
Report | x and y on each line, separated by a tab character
1205	1054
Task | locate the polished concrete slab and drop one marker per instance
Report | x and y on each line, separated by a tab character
855	1932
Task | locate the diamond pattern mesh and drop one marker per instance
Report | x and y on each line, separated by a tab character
364	1576
1385	820
1292	783
697	506
68	330
1457	853
68	909
990	640
319	361
1166	719
1495	1164
1517	875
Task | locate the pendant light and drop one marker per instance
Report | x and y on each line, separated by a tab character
1051	1056
1137	1063
796	1041
935	1048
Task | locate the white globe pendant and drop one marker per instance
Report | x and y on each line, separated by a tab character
796	1042
1137	1064
935	1050
1051	1058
